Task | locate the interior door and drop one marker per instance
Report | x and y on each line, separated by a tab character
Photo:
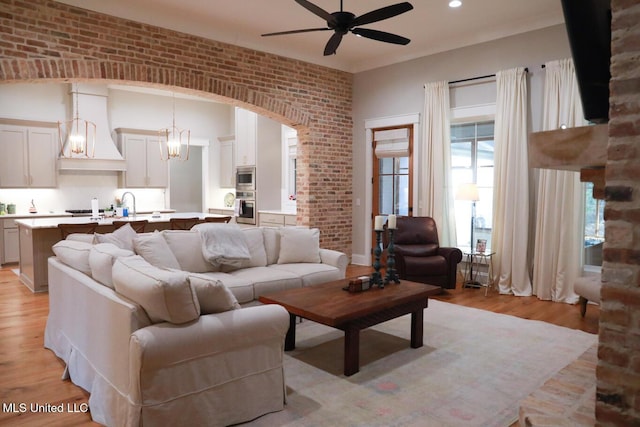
392	172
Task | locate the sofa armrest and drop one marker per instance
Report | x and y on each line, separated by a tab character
335	258
169	362
164	344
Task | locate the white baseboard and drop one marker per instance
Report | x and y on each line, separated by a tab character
360	259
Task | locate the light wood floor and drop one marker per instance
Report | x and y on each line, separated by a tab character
29	373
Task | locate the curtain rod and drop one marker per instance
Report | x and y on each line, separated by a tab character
526	70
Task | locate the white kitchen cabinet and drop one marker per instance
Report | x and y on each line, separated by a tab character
227	164
10	246
28	155
246	134
273	219
145	167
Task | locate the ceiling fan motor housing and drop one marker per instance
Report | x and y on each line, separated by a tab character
343	22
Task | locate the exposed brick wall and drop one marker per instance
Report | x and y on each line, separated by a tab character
618	372
43	40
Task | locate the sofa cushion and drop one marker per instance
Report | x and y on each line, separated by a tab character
166	296
186	246
213	295
299	245
271	237
101	259
123	237
239	287
75	254
267	280
155	250
311	273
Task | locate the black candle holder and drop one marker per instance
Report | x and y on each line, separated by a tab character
376	277
392	274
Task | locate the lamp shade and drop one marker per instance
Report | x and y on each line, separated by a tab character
468	192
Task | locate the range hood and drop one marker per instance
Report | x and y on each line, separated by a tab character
93	102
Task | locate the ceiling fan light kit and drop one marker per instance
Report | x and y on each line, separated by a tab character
344	22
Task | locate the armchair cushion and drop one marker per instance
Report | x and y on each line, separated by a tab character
426	266
421	250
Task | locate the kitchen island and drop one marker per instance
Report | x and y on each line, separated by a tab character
38	235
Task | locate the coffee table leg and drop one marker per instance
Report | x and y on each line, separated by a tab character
290	338
416	328
351	351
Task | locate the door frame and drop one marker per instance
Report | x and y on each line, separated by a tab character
376	123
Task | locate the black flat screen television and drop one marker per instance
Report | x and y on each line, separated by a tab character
588	25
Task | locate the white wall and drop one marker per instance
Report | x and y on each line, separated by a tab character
398	90
46	102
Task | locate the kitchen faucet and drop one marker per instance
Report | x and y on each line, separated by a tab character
134	200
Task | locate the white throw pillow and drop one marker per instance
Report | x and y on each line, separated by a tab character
81	237
213	295
299	245
123	237
155	250
75	254
101	259
186	245
166	296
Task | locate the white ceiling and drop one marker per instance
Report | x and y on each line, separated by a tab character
432	26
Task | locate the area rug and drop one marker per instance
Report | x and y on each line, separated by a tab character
473	370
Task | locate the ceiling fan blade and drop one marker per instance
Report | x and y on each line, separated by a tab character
333	43
331	20
380	36
308	30
382	13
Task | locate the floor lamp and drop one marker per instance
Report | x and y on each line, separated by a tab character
469	192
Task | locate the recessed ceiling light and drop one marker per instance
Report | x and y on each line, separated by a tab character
455	3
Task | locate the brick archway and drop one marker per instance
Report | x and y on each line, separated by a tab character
21	70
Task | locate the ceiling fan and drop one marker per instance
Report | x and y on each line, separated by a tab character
342	22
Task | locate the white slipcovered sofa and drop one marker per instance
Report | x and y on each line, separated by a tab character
157	334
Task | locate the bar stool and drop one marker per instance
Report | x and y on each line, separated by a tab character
137	225
184	223
66	229
217	219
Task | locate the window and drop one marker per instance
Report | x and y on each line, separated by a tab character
472	149
392	170
394	185
593	227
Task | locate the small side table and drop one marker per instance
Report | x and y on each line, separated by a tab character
474	261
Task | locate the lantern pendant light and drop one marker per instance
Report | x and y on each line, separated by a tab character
77	137
174	142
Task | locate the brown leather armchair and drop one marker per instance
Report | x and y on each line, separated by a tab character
418	254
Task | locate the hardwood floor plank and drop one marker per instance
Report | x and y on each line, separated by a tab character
29	373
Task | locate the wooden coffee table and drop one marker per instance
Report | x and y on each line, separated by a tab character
330	305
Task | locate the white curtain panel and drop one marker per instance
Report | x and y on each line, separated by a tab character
557	258
510	237
435	193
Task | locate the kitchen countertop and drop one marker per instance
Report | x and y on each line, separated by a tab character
34	215
276	212
53	222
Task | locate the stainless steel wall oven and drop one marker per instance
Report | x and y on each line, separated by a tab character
247	210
